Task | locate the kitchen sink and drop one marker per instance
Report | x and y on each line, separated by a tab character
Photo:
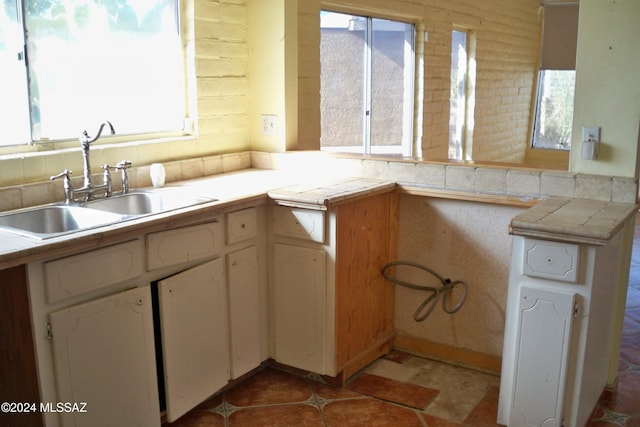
48	221
146	203
55	220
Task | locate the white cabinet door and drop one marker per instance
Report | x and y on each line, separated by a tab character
244	310
300	307
544	337
194	329
104	355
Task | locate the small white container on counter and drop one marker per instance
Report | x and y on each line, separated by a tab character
157	175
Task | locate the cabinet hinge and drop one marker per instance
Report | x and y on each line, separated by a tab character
576	309
49	333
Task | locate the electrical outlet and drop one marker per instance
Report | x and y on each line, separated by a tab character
590	133
269	122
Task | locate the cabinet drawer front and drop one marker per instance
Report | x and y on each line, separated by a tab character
78	274
302	224
551	260
242	225
173	247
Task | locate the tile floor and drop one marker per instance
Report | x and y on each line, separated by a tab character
405	390
389	392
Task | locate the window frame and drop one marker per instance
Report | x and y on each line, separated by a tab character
188	128
406	148
535	126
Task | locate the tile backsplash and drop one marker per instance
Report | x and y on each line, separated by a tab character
513	181
38	193
490	180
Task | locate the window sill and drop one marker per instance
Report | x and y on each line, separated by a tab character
44	148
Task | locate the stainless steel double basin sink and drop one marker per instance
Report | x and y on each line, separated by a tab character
48	221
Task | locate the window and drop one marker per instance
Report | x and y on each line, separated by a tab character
458	98
366	84
13	82
554	109
88	61
462	98
553	118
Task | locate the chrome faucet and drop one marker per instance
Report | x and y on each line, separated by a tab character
88	188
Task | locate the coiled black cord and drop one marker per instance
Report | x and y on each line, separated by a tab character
430	302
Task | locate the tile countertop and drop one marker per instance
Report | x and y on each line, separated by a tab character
233	191
573	220
321	195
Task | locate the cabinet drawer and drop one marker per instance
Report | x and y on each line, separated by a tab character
78	274
173	247
242	225
551	260
302	224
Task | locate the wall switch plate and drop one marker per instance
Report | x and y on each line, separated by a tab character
269	123
590	133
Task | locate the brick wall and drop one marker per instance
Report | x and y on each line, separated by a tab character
309	75
507	58
221	57
507	34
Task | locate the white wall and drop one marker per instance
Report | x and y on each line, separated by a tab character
608	85
466	241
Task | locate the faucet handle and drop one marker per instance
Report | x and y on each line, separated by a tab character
123	165
67	185
106	179
65	173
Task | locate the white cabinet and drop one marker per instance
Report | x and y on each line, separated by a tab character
211	315
300	307
558	331
93	336
244	310
544	317
194	325
103	350
332	309
246	273
93	317
104	357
